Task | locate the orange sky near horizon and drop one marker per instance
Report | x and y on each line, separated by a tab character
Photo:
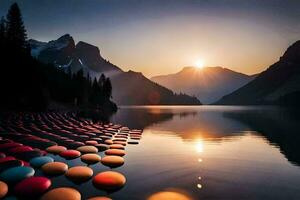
166	46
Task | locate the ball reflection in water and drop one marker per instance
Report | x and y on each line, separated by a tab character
169	195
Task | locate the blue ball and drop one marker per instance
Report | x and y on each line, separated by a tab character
16	174
10	198
40	161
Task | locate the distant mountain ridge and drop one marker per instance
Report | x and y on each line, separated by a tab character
138	90
129	88
279	84
209	83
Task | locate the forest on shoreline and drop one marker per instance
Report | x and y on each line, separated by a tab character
28	84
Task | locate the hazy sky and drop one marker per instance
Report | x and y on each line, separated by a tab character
161	36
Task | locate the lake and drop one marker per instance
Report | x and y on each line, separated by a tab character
207	152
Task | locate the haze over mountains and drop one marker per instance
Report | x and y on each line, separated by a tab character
129	88
208	84
279	84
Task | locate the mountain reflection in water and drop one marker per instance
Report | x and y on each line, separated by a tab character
279	125
213	152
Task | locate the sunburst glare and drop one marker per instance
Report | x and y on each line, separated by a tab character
199	63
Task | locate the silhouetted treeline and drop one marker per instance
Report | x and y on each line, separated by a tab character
27	84
76	88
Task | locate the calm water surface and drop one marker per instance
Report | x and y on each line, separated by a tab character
209	152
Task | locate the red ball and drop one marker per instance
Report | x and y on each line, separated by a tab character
20	149
8	158
70	154
32	187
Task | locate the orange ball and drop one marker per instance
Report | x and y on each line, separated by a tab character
79	173
109	180
56	149
116	152
63	193
55	168
112	161
3	189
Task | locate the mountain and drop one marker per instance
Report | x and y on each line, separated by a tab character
129	88
279	84
136	89
208	84
64	54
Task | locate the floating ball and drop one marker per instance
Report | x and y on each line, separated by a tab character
11	198
91	142
104	137
63	193
6	146
70	154
109	180
99	198
54	168
56	149
168	195
87	149
5	159
40	161
90	158
32	187
120	142
116	152
116	146
16	174
112	161
108	142
19	149
79	173
3	189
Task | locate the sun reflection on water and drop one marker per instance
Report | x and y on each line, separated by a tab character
199	186
199	146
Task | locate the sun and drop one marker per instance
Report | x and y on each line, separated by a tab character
199	64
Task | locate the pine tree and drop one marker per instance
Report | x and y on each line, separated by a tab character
94	96
2	33
89	79
16	33
101	80
95	83
107	89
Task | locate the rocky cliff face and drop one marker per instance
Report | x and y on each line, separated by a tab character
63	53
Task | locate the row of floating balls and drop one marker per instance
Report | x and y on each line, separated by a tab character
17	176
